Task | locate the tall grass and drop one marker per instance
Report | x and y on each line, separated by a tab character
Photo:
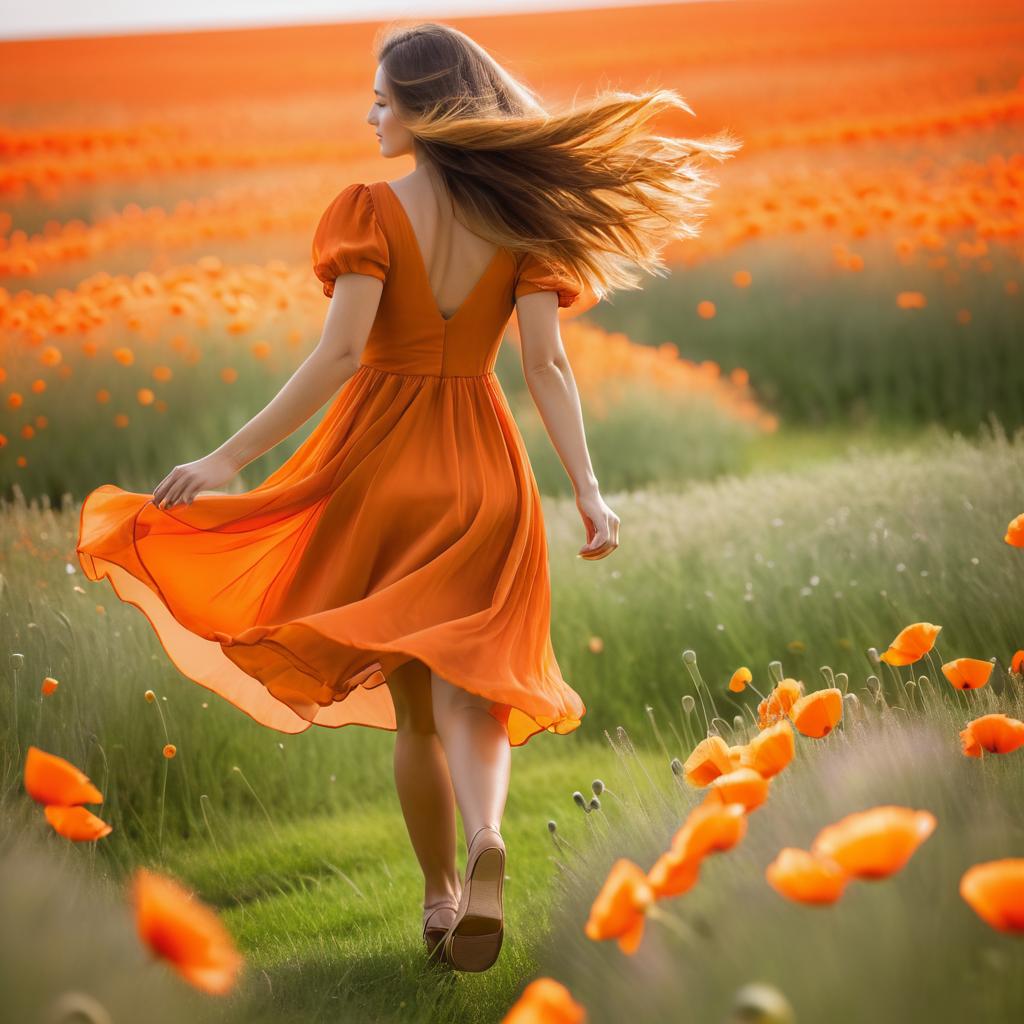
824	345
904	948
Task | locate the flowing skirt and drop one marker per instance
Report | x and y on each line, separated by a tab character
407	525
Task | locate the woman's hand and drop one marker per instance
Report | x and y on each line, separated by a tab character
183	483
602	526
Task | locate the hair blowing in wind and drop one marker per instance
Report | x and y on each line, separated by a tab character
589	187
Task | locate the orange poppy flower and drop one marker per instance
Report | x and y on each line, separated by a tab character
740	786
76	823
967	673
736	755
777	704
740	678
710	758
1017	662
185	932
49	685
875	843
711	828
995	891
801	876
50	779
817	714
771	750
618	911
911	644
545	1001
1015	532
673	873
995	733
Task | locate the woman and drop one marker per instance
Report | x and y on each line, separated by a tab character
403	543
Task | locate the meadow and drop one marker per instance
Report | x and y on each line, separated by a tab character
811	427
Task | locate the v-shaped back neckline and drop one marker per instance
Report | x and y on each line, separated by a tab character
422	264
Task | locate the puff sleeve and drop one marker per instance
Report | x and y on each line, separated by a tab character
349	239
534	276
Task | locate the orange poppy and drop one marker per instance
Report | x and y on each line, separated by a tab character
875	843
1017	662
1015	532
777	704
911	644
967	673
545	1001
673	873
50	779
49	685
771	750
185	932
740	786
709	759
77	823
995	733
618	911
737	753
995	891
711	828
816	714
801	876
740	678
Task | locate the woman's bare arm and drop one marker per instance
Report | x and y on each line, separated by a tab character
553	389
350	316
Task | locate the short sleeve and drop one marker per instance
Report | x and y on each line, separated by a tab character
349	239
534	276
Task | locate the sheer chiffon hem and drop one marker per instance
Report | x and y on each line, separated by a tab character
251	673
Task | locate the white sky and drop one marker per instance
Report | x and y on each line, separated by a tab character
38	19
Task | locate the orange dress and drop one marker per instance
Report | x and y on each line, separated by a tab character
407	525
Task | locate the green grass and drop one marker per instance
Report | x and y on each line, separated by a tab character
904	948
827	346
315	875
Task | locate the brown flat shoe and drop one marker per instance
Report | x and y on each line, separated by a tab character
473	941
433	935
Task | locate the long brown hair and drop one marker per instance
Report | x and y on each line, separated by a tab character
588	188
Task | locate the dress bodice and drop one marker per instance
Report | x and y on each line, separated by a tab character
366	230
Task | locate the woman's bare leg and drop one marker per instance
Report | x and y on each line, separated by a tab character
478	752
424	784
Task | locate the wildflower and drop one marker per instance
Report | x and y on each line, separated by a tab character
912	643
545	1001
76	823
1015	532
800	875
618	912
995	733
967	673
742	785
995	892
817	714
170	750
50	779
49	685
771	750
740	678
875	843
777	704
709	759
180	929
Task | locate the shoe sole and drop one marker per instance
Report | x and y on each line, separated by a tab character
475	941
